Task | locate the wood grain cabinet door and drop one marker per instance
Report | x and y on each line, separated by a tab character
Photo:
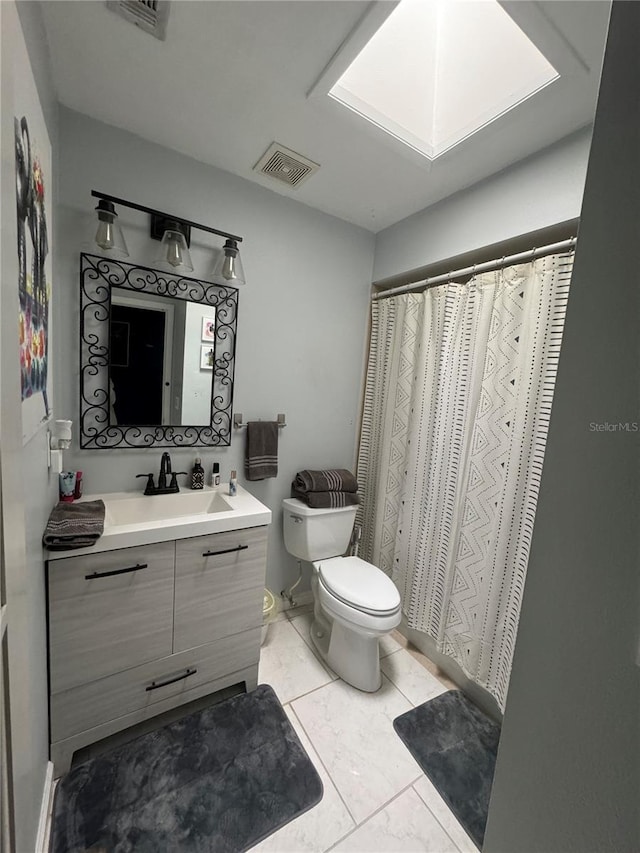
99	702
109	612
219	586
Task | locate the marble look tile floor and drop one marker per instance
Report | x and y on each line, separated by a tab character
376	798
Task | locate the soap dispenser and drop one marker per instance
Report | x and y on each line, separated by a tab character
197	475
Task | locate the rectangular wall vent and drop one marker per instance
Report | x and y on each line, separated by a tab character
150	15
285	165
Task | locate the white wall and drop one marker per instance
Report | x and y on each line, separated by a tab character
567	776
28	492
543	190
196	382
302	315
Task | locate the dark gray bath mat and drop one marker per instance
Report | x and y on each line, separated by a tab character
219	780
456	746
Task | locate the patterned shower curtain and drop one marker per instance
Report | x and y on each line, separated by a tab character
458	396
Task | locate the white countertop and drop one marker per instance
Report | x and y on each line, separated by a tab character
244	511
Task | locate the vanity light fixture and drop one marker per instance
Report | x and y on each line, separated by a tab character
109	236
228	267
174	234
173	254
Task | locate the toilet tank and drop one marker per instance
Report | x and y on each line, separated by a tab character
316	534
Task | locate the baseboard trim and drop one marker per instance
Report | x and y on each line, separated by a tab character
44	824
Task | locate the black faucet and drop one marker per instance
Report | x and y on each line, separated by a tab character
165	468
162	488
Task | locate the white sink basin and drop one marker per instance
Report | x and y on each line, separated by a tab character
142	509
132	518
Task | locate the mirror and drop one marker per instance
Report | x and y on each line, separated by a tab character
160	360
157	357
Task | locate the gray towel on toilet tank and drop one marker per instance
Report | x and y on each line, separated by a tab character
325	500
262	450
329	480
74	525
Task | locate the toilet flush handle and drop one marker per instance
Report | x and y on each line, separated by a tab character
296	519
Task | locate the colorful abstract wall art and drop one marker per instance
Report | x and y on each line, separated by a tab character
33	207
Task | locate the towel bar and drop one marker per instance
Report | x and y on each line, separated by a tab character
238	424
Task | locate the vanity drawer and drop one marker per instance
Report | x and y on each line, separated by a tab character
92	704
108	612
219	586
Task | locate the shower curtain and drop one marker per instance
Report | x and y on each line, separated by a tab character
458	396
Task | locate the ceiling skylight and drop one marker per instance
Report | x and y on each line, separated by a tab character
439	70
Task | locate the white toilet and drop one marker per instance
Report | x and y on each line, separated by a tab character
354	602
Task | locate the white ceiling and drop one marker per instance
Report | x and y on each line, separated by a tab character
232	77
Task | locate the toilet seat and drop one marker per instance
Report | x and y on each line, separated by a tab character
360	585
359	621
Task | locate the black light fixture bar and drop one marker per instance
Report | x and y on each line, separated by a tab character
160	213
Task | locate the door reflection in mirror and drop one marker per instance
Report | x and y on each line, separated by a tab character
154	361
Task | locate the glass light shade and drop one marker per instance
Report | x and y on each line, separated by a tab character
173	254
108	236
228	266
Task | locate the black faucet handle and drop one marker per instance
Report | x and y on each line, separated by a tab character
174	475
149	488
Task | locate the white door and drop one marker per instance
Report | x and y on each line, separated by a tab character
146	302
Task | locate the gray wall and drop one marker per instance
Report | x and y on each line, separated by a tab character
302	315
538	192
34	33
567	773
28	490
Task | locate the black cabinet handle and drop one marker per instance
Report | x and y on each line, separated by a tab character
226	551
116	572
155	686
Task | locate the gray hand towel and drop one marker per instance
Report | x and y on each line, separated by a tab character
329	480
325	500
261	450
74	525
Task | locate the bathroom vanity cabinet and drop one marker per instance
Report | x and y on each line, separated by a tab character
134	632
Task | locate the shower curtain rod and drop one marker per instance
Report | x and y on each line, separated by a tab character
487	266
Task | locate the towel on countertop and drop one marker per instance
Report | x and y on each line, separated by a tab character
325	500
330	480
261	450
74	525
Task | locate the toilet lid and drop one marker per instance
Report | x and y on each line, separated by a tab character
359	584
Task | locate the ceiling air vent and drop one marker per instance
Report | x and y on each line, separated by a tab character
150	15
285	165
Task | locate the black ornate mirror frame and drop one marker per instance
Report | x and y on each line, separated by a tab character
97	276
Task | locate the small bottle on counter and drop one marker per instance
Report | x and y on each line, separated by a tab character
77	493
233	483
197	475
215	475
